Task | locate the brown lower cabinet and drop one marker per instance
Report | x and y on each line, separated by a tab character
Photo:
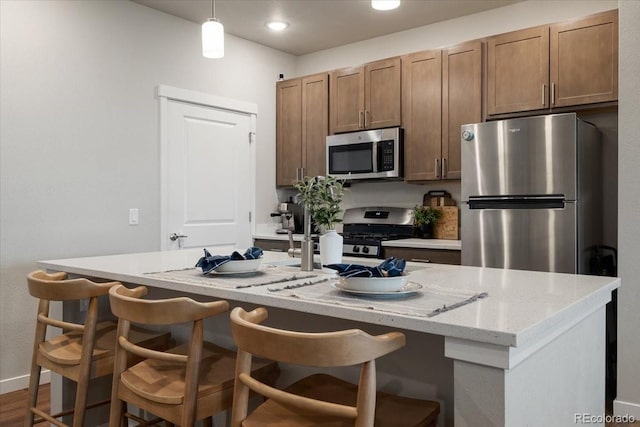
436	256
273	245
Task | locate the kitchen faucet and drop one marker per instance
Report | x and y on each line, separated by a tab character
306	248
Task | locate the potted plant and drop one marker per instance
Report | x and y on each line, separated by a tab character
322	196
424	218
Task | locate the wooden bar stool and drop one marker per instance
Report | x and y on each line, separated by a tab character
185	384
83	353
319	399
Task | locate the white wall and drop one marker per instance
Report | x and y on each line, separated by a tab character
628	398
79	135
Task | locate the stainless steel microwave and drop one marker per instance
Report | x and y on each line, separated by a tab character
366	154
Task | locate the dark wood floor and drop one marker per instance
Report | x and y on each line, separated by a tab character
13	406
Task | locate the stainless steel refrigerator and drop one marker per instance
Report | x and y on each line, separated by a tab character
531	193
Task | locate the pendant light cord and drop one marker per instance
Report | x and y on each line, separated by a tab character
213	9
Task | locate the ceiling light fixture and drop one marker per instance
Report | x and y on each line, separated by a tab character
277	25
212	36
385	4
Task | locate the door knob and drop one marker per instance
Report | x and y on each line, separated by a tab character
173	236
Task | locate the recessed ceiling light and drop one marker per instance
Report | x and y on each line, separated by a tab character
277	25
385	4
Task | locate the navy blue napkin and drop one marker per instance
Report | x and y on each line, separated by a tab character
390	267
210	262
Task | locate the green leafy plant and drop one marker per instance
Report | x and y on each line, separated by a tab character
322	195
425	215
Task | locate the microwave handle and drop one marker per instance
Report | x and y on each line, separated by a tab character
374	155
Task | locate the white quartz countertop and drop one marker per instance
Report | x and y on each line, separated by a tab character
522	306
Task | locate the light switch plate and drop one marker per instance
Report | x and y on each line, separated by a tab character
134	216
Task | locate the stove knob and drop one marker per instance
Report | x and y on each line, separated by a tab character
365	250
356	249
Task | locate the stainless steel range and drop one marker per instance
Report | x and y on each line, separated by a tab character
364	229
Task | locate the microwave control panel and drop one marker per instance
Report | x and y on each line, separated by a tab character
385	156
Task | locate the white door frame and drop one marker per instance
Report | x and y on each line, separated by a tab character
166	93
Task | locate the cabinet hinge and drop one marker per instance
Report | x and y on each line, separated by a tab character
252	136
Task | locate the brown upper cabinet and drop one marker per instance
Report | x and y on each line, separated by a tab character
302	117
584	60
566	64
441	90
366	97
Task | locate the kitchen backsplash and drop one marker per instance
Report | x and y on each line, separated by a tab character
386	193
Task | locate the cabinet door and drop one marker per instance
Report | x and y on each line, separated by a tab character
315	123
461	101
422	114
436	256
584	60
382	94
288	131
346	100
518	71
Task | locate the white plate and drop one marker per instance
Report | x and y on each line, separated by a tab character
239	266
406	290
373	284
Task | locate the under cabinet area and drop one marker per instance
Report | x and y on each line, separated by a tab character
565	64
365	97
302	116
436	256
441	90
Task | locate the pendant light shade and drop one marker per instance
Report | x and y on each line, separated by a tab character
212	39
212	36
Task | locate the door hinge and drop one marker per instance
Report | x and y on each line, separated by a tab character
252	136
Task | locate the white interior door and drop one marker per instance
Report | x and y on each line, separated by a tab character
208	176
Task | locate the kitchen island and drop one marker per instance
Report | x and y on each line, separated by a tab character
530	353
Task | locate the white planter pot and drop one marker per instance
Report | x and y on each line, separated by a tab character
330	248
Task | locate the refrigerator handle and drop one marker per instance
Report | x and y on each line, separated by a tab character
436	168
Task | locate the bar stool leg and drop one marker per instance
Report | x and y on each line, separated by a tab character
85	364
34	378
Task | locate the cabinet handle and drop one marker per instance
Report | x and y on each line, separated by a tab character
301	174
544	89
361	119
553	93
444	167
437	167
367	113
420	260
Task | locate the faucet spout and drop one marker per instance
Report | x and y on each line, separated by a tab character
306	263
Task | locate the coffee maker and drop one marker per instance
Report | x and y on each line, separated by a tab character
286	214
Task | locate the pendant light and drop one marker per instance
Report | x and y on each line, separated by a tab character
212	36
385	4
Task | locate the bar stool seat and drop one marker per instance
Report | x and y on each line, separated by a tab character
87	351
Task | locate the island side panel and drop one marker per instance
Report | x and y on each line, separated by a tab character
555	386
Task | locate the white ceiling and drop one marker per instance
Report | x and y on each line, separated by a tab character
319	24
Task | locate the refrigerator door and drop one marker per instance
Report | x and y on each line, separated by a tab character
525	156
522	237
